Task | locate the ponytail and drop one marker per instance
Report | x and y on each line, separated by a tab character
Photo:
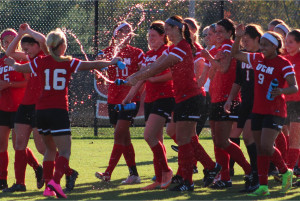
187	37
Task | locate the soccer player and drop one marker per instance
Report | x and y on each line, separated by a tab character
274	23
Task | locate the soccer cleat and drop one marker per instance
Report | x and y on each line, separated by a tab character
251	183
195	169
185	186
166	179
132	179
261	191
103	176
205	175
154	178
177	179
297	171
15	188
155	185
287	181
211	174
221	185
70	181
49	193
57	189
296	184
174	147
39	177
3	184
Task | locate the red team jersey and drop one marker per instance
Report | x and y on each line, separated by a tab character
185	84
10	98
34	88
265	70
295	60
157	90
132	57
221	84
55	77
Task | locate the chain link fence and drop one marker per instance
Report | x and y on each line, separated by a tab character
91	22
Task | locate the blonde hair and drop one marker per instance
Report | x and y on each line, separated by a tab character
54	40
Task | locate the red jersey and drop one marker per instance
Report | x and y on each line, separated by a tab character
295	60
10	98
34	88
157	90
185	84
221	84
266	70
55	77
131	56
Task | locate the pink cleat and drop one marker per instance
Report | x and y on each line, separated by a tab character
57	189
49	193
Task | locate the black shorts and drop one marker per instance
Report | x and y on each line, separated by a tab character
26	115
217	112
245	111
293	111
162	107
190	109
53	122
114	115
7	118
260	121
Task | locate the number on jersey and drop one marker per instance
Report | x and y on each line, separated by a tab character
59	83
261	78
124	72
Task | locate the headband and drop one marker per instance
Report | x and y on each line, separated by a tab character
120	27
8	33
191	23
174	22
159	30
271	38
283	28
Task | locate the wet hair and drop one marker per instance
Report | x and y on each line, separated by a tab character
158	26
112	42
185	32
194	24
29	39
228	25
275	22
254	31
53	40
279	39
296	34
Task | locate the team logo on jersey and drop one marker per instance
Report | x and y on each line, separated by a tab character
6	69
246	66
151	59
265	69
127	61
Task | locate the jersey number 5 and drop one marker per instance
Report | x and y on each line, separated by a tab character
59	83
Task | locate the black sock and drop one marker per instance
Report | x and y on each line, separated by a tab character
236	141
251	149
133	171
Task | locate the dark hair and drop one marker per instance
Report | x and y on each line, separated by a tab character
29	39
213	26
275	22
158	26
296	34
193	23
279	39
254	31
228	25
184	31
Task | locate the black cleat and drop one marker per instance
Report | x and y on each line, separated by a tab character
70	181
174	147
205	175
177	179
14	188
221	185
3	184
39	177
251	183
185	186
195	170
211	174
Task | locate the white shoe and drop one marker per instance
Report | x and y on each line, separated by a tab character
132	179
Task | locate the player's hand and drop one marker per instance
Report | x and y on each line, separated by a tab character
23	28
276	92
220	55
227	106
9	61
240	30
205	54
115	60
126	101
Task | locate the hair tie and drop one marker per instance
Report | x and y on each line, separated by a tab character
271	38
283	28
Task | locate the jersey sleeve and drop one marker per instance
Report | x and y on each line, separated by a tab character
198	57
226	47
179	51
287	69
238	73
74	65
140	57
253	58
36	65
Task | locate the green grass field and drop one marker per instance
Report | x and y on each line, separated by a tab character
91	155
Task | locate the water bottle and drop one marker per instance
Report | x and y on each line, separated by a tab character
127	107
274	84
121	65
120	82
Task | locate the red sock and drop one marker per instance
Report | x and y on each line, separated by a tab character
292	157
201	155
48	168
56	156
31	159
185	156
60	168
222	157
278	161
159	155
3	165
287	138
174	138
263	163
281	144
157	170
299	161
114	158
129	155
179	172
20	166
164	147
237	155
